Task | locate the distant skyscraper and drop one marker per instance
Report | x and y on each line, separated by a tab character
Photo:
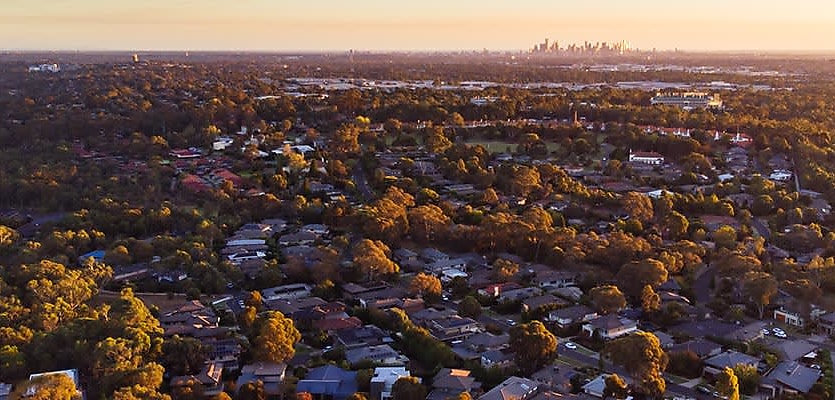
135	58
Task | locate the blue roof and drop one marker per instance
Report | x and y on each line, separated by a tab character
329	380
96	254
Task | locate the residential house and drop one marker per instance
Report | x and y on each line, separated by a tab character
329	381
286	292
789	377
316	229
555	279
363	336
381	354
555	377
453	328
729	359
238	258
188	319
747	333
519	294
403	255
298	239
513	388
826	324
792	315
701	347
438	267
650	158
224	351
271	374
596	387
431	255
70	373
495	290
383	381
449	383
610	327
564	317
209	379
793	350
292	307
496	358
6	390
472	347
548	300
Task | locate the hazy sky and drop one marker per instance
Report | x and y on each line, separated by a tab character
324	25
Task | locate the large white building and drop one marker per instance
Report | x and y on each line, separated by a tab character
687	100
645	157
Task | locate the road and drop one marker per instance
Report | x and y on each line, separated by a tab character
761	228
361	181
672	388
701	286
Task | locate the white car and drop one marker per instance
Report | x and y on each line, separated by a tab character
781	335
766	332
569	345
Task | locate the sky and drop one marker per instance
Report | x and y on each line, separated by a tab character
383	25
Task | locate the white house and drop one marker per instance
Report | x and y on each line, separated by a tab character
646	157
780	175
221	143
384	379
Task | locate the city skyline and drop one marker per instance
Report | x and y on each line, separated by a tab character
374	25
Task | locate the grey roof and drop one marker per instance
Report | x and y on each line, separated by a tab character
573	313
610	322
702	347
372	353
512	388
730	359
794	375
544	300
362	336
704	328
329	380
793	350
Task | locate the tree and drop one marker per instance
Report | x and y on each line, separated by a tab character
633	276
357	396
463	396
748	377
533	346
255	300
650	301
252	391
727	384
372	258
428	286
304	396
638	206
676	225
607	299
182	356
277	338
725	237
503	269
427	222
408	388
469	307
138	392
759	287
642	356
615	387
48	387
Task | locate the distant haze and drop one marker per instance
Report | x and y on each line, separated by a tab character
336	25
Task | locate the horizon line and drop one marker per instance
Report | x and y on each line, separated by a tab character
413	51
